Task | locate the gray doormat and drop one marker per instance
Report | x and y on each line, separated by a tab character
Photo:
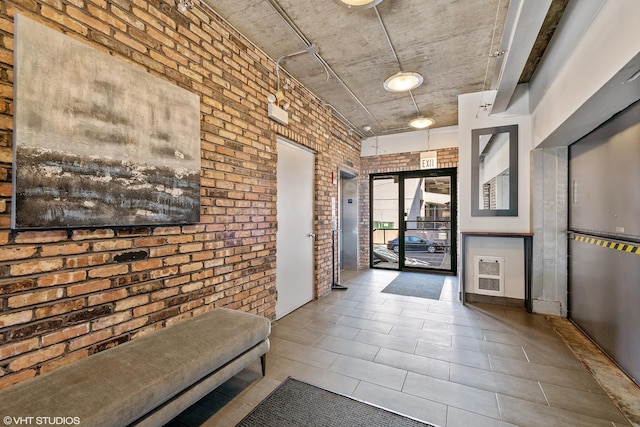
295	403
416	285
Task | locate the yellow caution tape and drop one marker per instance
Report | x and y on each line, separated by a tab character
626	247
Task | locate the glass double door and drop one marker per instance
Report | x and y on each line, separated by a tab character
413	218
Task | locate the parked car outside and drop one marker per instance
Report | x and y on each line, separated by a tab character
415	243
382	254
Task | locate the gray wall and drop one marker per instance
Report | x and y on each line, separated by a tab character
604	266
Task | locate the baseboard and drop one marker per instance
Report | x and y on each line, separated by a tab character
489	299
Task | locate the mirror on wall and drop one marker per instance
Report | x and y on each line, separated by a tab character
494	175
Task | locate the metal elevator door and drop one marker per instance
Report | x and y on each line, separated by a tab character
604	238
348	227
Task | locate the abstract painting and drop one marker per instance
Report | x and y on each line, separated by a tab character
98	141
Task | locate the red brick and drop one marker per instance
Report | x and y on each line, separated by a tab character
33	298
91	235
163	251
33	358
128	303
87	340
9	350
16	318
187	268
89	287
192	286
66	249
129	326
144	242
63	20
194	247
17	252
149	308
175	260
52	365
107	297
62	278
33	267
109	321
165	272
109	271
112	245
146	265
9	380
87	260
65	334
59	308
41	236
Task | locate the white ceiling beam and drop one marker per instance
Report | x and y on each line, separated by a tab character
524	20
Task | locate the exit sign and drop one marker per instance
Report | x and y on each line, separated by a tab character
429	160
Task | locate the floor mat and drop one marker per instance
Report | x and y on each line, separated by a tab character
296	403
416	285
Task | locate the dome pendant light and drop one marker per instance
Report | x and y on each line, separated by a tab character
421	122
358	4
403	81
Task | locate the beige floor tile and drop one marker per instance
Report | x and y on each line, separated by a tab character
374	373
348	347
406	404
406	345
499	383
594	405
476	365
428	335
457	355
305	354
529	414
460	418
579	380
414	363
452	394
366	324
331	329
497	349
398	320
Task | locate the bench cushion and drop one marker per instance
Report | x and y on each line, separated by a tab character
119	385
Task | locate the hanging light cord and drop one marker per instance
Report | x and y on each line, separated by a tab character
486	71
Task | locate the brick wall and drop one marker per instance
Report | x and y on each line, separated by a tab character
68	293
400	162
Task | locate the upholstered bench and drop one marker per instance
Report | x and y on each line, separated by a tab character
146	381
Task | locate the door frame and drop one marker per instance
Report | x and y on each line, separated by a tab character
452	173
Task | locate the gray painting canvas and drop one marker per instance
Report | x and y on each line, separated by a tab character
97	141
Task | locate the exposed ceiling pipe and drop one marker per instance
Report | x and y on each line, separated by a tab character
211	10
345	120
393	50
386	34
311	49
278	9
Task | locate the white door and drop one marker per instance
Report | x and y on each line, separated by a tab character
295	238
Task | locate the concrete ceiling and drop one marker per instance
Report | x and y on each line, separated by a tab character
450	42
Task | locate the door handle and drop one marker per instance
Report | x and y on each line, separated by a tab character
312	235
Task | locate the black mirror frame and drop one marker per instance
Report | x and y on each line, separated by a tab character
513	171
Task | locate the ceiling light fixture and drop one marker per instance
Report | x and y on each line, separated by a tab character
421	122
184	5
358	4
403	81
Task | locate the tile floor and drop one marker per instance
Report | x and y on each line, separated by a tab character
438	361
